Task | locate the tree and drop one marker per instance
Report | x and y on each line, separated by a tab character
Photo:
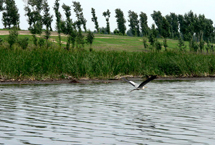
209	29
47	20
90	38
181	44
153	35
157	17
120	21
174	25
58	20
79	14
1	5
134	23
145	42
35	21
189	20
10	14
94	19
69	29
165	31
13	36
144	24
107	16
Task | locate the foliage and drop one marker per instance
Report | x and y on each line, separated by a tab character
10	15
68	25
90	38
165	43
158	45
181	44
1	5
34	16
13	36
53	63
153	35
158	19
145	43
106	14
120	21
134	23
165	28
58	20
94	19
174	24
143	24
47	20
41	42
1	41
23	42
201	45
80	17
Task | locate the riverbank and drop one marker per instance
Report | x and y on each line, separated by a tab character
102	81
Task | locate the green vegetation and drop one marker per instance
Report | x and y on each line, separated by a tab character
59	63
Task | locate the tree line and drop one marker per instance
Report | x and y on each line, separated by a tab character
197	29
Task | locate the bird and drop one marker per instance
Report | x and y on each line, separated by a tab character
142	85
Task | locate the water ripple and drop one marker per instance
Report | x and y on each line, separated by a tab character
175	112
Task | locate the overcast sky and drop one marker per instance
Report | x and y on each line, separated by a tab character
206	7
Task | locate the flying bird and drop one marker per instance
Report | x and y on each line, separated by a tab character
142	85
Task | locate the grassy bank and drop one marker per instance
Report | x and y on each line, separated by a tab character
58	63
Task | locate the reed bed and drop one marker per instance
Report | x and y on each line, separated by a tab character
59	63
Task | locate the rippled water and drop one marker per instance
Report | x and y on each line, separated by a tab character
167	112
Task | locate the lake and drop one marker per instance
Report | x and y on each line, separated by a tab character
165	113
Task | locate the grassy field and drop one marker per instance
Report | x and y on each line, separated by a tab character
109	42
112	56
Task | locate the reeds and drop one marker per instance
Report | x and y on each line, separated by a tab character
59	63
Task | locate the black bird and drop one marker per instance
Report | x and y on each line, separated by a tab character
142	85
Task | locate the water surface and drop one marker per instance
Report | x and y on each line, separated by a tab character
166	113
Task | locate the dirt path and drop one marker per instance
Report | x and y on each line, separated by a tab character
22	32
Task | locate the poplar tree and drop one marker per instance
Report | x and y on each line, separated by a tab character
134	23
68	26
80	21
106	14
157	17
58	20
94	19
165	31
174	25
47	20
80	16
35	20
1	5
10	15
120	21
144	24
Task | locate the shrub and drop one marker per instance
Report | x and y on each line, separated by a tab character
158	45
13	36
23	42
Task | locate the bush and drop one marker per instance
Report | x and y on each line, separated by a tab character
41	42
158	45
23	42
13	36
145	42
1	41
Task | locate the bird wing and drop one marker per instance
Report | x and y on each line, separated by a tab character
146	81
131	82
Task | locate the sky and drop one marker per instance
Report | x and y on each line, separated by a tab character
206	7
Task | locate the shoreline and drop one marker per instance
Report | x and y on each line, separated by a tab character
91	81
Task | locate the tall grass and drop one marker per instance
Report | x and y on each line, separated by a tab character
59	63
